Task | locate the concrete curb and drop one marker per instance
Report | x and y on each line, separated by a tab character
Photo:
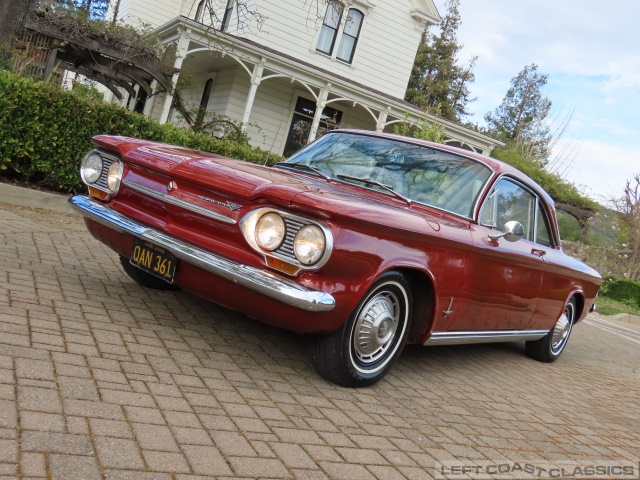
626	318
27	197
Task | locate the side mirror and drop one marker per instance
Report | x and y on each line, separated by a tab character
513	231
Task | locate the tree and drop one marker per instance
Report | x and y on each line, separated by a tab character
437	80
96	9
628	211
521	118
14	14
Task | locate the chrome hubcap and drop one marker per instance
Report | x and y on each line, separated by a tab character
376	327
561	330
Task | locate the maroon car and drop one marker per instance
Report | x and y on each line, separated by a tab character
366	240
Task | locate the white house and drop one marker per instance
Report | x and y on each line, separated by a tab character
290	69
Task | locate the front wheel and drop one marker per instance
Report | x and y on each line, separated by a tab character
363	350
549	347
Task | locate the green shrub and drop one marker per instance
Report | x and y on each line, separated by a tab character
45	130
621	289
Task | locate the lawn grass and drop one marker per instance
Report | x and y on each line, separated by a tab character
607	306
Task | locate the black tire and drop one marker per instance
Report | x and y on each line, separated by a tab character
385	314
549	348
143	278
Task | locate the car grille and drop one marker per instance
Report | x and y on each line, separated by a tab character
292	228
102	181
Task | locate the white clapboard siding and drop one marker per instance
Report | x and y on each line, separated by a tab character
389	38
146	13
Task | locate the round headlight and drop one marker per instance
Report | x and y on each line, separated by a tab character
270	231
114	175
309	244
91	168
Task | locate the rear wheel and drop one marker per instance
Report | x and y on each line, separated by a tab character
363	350
549	347
143	278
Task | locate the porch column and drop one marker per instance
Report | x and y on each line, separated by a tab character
382	120
181	53
256	78
320	104
148	105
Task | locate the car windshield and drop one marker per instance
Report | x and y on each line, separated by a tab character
416	172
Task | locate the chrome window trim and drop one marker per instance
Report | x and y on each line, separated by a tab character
490	336
248	225
520	183
178	202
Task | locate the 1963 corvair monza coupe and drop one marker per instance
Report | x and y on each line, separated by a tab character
368	240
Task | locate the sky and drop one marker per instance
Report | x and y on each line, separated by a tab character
591	51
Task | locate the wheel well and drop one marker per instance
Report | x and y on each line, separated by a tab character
423	301
579	305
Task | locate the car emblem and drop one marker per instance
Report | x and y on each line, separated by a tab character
171	186
230	205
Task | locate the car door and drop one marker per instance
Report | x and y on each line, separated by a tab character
502	279
557	281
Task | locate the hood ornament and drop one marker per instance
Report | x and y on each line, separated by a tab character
171	186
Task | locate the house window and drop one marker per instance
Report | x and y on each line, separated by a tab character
350	35
302	121
200	11
226	20
329	31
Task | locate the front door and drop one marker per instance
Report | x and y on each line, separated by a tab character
503	279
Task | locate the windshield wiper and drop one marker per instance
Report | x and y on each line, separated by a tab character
304	166
370	181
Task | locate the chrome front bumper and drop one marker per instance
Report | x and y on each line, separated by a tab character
261	281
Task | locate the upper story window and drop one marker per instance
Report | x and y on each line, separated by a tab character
228	11
330	26
200	11
333	27
350	35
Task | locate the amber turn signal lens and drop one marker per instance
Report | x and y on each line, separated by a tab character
282	266
94	192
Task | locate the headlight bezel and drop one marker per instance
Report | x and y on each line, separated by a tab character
105	183
282	253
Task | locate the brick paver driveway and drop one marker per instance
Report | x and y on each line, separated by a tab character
100	378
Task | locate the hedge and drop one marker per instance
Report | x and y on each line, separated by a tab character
621	289
45	130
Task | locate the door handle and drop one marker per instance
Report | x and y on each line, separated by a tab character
538	253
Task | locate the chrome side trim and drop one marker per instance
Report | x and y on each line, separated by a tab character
178	203
261	281
493	336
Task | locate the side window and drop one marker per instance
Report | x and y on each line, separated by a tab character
509	201
543	235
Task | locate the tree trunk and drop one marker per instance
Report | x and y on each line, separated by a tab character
13	14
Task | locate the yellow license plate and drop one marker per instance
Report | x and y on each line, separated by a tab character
154	260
